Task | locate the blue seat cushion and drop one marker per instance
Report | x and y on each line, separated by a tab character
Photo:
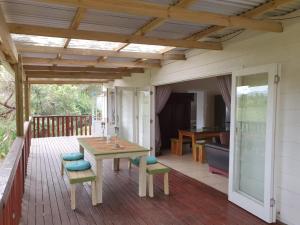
79	165
72	156
150	160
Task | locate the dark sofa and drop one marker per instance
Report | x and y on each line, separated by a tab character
217	158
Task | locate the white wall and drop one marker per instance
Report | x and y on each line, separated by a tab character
246	50
252	49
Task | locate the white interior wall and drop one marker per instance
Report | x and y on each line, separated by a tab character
252	49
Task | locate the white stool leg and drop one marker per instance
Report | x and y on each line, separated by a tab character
94	193
129	164
150	185
73	196
166	183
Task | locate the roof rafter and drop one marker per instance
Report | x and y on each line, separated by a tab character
33	60
150	9
156	22
6	43
29	68
75	75
101	36
269	6
66	81
99	53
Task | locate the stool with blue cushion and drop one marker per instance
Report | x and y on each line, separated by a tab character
153	167
69	157
79	171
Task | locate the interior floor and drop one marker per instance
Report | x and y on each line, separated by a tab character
186	165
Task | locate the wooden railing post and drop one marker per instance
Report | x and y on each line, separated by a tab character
27	91
67	126
19	96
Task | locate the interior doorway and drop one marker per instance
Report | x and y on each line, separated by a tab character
196	107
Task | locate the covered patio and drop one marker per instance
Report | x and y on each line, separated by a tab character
131	46
47	198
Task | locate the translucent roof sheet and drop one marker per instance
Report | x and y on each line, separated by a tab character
39	40
98	45
145	48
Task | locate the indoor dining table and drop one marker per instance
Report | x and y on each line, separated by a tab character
196	134
96	149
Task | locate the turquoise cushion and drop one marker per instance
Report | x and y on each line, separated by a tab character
72	156
150	160
80	165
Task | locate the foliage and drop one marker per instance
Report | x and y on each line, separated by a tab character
61	99
7	111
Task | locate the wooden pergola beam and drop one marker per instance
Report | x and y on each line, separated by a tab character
101	36
156	22
75	75
269	6
33	60
79	15
64	81
149	9
99	53
19	79
29	68
6	43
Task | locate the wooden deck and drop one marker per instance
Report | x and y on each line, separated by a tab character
47	200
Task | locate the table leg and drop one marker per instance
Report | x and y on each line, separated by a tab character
142	177
193	142
180	140
81	149
99	178
116	164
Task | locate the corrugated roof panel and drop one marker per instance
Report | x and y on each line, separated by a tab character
162	2
225	7
36	13
112	22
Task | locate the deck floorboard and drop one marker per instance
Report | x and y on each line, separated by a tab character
47	198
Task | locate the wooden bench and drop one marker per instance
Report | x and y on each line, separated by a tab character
76	177
158	168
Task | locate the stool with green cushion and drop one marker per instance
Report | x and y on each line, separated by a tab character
149	160
79	172
68	157
154	169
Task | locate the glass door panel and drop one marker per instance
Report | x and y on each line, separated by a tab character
252	140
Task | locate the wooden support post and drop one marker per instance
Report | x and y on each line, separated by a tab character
19	97
27	93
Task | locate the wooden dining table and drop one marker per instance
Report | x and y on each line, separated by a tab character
196	134
96	149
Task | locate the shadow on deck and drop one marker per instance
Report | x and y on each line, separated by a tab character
47	200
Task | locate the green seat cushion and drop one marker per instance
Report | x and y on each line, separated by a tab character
150	160
72	156
80	165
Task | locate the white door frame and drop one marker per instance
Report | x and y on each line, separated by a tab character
267	210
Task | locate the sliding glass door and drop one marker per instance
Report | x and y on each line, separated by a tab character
253	109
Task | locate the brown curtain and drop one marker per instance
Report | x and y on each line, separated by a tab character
162	94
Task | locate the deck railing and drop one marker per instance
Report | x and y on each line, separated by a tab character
12	178
56	126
